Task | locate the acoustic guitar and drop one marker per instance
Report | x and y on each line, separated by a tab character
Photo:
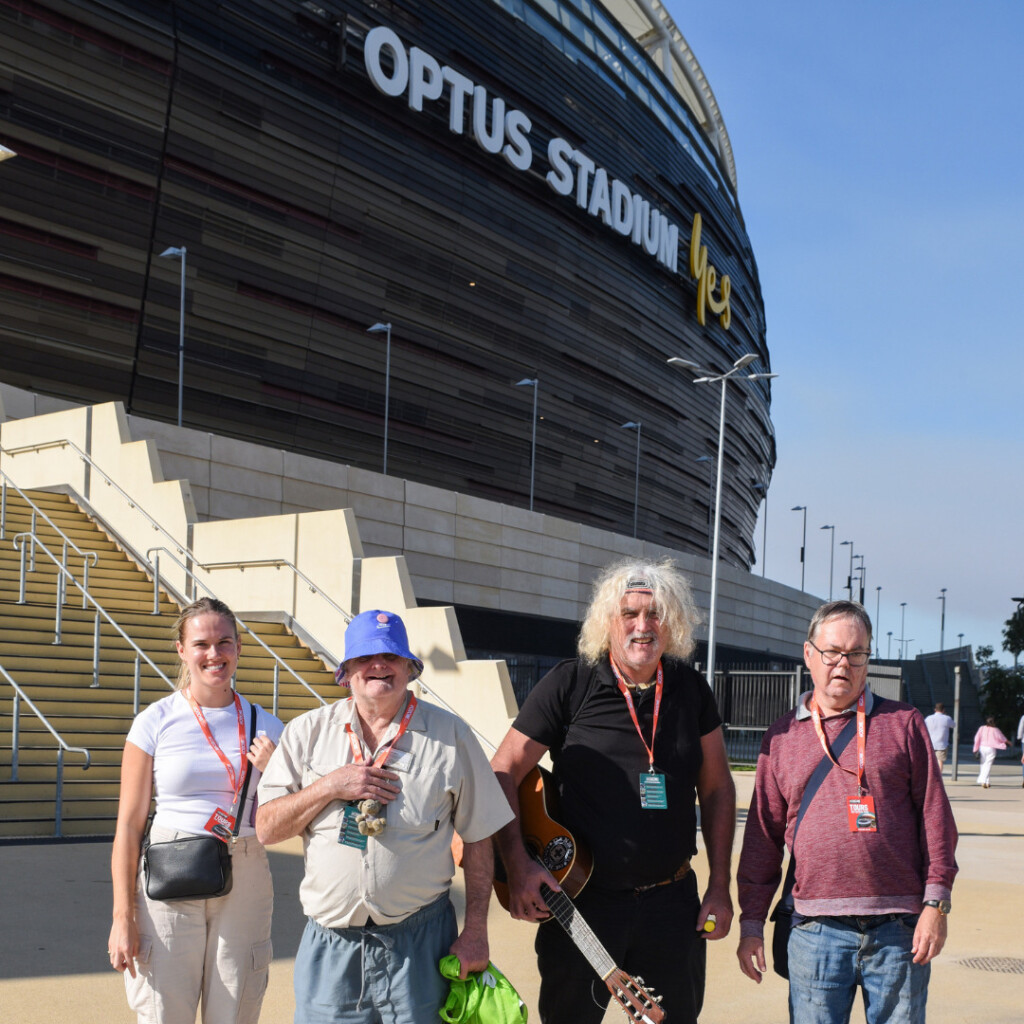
571	864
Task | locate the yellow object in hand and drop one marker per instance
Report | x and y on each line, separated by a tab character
709	924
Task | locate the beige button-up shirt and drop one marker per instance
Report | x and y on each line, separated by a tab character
446	783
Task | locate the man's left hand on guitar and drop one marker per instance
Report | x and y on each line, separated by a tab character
526	902
717	904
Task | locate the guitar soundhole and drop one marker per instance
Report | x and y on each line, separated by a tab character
558	854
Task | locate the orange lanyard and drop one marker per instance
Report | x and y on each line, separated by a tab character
201	719
862	720
357	750
624	690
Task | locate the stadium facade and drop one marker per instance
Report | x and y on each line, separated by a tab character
539	191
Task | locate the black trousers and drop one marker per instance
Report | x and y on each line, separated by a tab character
651	934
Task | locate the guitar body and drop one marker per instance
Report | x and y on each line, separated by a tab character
547	840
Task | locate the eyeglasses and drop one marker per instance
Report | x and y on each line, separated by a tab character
855	659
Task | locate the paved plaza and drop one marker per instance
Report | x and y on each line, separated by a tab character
55	915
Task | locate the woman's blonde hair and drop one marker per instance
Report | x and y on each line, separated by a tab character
204	606
671	596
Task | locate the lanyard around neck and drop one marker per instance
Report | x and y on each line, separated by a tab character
862	719
357	750
624	690
233	777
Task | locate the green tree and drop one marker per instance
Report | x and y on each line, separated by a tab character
1002	690
1013	634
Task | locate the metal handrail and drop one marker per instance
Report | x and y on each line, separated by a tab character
86	556
278	563
66	442
63	575
196	582
62	745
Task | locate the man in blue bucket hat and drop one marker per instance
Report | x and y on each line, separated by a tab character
376	784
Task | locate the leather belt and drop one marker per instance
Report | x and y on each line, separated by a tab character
681	872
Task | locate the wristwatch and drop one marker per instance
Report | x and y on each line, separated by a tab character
942	906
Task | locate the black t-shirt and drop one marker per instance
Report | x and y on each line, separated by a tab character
598	761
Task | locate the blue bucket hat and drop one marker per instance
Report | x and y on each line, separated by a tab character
376	632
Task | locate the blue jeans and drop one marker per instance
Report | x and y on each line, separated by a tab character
829	957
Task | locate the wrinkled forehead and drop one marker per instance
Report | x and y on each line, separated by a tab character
838	627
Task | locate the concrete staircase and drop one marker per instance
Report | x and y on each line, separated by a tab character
58	677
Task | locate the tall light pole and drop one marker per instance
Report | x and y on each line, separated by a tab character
863	574
831	558
878	606
888	650
534	383
942	620
377	328
175	253
903	619
960	637
710	377
763	488
849	579
803	543
636	487
711	484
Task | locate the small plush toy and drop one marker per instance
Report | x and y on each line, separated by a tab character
368	820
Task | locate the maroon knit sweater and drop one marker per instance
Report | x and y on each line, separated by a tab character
909	859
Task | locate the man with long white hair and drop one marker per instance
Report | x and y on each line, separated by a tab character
634	735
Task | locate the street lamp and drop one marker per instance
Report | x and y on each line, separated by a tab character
711	484
960	637
888	650
863	575
176	253
534	383
763	488
5	153
831	558
710	377
903	619
636	488
377	328
849	579
942	620
803	543
878	605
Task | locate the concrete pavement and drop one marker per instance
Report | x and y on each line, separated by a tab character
55	915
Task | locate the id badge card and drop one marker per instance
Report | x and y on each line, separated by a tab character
861	813
349	835
220	824
652	791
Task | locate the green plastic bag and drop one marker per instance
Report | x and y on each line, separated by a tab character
485	997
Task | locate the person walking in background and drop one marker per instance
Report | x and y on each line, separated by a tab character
988	740
190	750
940	726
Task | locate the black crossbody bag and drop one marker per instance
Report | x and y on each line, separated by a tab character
782	915
193	867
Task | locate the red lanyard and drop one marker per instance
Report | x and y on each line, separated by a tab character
201	719
624	690
862	720
357	750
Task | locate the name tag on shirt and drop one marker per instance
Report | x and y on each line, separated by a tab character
861	813
652	791
349	834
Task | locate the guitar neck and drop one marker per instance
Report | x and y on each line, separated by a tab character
579	931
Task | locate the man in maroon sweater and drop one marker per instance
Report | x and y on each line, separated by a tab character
875	848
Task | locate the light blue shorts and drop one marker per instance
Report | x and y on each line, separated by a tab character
376	974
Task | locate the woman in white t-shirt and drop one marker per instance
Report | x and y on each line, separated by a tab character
189	751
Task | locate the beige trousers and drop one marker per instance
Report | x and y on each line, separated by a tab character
216	950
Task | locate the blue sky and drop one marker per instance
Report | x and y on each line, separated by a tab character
880	160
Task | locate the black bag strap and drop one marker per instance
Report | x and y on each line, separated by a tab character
785	904
240	805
